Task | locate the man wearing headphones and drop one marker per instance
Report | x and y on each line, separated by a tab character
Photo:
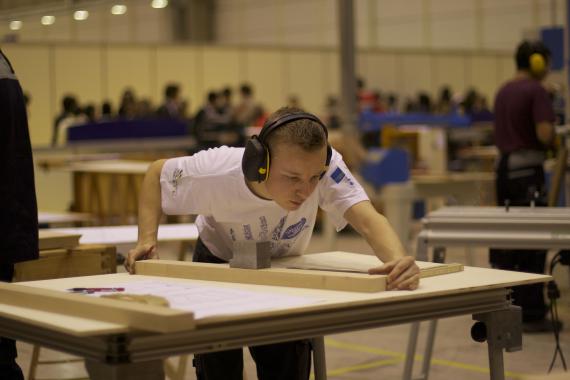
270	191
523	126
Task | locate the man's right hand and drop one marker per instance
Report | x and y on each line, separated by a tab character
140	252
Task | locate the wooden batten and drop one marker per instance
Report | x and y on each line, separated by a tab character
133	315
441	269
53	240
295	278
83	260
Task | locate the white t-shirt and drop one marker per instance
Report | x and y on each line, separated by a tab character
211	184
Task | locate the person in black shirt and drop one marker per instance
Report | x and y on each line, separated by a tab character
19	213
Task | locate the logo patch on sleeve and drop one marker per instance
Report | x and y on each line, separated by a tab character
337	175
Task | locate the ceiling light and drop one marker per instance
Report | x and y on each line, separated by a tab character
159	4
48	20
80	15
16	25
118	9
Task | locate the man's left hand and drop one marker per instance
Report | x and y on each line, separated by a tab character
403	273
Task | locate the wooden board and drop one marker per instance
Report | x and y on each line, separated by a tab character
135	315
329	271
354	262
83	260
53	240
295	278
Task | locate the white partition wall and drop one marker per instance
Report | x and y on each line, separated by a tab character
182	65
131	67
97	73
265	71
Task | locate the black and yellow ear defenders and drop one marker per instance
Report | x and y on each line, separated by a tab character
256	157
537	64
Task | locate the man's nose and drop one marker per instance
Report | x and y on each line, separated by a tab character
304	190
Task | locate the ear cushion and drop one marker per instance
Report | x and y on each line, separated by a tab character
254	162
327	162
537	63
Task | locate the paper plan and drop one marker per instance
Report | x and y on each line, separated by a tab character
207	301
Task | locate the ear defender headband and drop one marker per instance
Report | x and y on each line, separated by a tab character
256	157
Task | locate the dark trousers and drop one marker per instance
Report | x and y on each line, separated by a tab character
9	369
281	361
519	187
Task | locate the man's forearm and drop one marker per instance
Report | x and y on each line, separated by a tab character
384	240
150	210
377	231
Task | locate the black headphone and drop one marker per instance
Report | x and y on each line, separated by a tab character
256	157
533	56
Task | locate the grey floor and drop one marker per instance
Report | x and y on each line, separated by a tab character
378	353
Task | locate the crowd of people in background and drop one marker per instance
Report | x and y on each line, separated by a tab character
221	119
470	103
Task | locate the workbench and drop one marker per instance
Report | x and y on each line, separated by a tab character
119	351
184	233
491	227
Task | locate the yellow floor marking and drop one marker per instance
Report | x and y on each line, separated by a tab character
360	367
399	356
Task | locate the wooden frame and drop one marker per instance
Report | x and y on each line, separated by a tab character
135	315
295	278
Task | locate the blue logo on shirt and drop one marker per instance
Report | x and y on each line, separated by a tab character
337	175
294	230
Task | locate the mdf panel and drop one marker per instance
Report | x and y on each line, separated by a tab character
128	67
448	70
180	65
305	80
220	68
484	76
265	72
33	68
416	74
382	72
78	71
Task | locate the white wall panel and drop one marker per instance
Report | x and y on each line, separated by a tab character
416	73
331	75
483	74
181	65
382	72
305	79
33	68
265	71
448	70
78	71
220	67
505	21
128	67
